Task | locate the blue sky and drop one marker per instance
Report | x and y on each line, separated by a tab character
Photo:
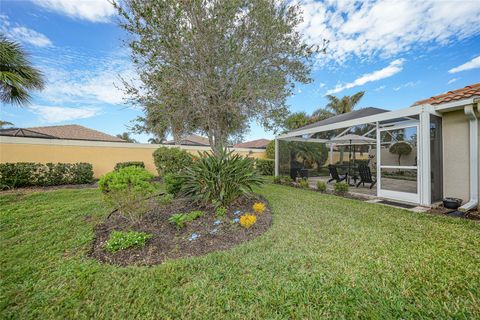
397	51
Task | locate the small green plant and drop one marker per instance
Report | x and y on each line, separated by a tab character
167	198
303	183
221	212
180	219
172	183
120	240
282	180
321	186
341	187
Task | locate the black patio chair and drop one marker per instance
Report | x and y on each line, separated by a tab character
334	174
365	176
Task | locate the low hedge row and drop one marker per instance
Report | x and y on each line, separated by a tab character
26	174
121	165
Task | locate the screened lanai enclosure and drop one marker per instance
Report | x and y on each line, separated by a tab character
388	154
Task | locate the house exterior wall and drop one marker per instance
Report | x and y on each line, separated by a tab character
102	155
456	168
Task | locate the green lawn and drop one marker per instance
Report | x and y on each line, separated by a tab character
323	256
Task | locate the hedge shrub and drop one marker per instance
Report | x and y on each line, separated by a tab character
121	165
266	167
171	160
27	174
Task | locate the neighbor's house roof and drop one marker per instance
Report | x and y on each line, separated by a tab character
66	132
344	117
192	140
253	144
459	94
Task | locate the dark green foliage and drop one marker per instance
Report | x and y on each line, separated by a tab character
25	174
341	187
171	160
120	240
173	183
121	165
266	167
127	190
321	186
270	150
221	178
180	219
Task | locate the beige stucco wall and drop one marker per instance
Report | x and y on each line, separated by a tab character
102	155
456	168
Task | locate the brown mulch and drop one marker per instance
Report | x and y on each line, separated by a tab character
50	188
170	243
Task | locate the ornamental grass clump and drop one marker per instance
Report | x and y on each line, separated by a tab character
259	207
248	220
321	186
219	179
127	190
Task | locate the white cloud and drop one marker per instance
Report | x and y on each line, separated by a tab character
452	80
386	28
393	68
472	64
380	88
50	114
91	10
30	36
23	34
410	84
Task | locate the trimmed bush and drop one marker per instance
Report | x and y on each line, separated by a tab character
219	179
270	150
26	174
266	167
171	160
121	165
341	187
321	186
127	190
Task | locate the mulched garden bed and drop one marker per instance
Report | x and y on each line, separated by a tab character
168	242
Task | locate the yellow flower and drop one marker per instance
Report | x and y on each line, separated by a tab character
259	207
248	220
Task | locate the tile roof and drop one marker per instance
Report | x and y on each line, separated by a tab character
192	140
68	132
255	144
459	94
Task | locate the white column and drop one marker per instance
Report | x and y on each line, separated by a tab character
424	165
378	159
331	153
276	157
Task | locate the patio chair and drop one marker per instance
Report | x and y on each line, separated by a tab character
334	174
365	176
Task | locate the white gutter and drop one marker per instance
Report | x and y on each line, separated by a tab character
473	126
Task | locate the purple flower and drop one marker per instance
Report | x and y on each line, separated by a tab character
236	220
214	231
237	212
217	222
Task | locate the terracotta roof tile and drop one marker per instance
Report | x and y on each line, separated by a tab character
459	94
257	144
74	132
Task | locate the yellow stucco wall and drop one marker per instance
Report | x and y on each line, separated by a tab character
102	155
456	167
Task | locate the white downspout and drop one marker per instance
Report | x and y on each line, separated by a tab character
473	126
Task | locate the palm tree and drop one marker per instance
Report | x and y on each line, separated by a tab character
5	123
126	136
338	106
17	75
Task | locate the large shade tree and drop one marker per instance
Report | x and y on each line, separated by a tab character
214	66
17	75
